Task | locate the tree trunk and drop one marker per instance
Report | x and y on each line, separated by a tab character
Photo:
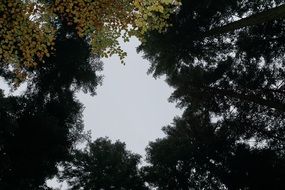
248	97
258	18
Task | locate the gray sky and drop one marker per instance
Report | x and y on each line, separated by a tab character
130	105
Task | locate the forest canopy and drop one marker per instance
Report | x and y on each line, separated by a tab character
224	60
29	28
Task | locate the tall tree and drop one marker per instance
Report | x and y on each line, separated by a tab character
29	28
226	73
200	154
197	18
226	66
103	165
41	127
35	137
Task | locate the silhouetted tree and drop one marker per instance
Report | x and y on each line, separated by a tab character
103	165
200	154
238	73
244	64
35	138
40	128
72	67
225	62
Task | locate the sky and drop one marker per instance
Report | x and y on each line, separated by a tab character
130	105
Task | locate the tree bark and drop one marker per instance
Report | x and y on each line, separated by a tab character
258	18
247	97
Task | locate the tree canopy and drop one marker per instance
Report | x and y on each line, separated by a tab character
224	58
35	137
239	72
225	62
41	127
103	165
29	28
200	154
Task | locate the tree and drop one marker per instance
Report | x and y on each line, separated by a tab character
35	137
228	74
72	66
40	128
103	165
259	18
200	154
238	72
197	26
29	27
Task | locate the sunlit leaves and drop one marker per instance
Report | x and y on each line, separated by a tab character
28	27
100	21
153	15
24	37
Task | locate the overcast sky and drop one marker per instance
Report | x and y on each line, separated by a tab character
130	105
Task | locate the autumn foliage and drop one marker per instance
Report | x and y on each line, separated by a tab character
28	28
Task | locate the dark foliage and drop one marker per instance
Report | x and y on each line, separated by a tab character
34	138
71	67
227	74
104	165
231	83
40	128
200	154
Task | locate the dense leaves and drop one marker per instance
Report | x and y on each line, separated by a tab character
41	127
200	154
28	28
104	165
71	67
238	73
225	61
35	137
24	38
